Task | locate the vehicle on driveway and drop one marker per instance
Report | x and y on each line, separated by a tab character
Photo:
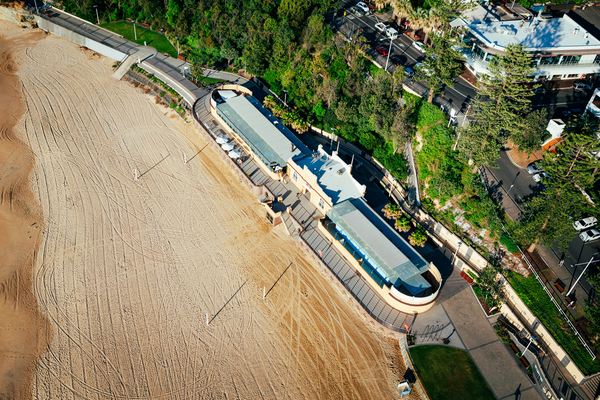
419	46
364	7
539	176
581	87
533	169
590	235
585	223
382	50
381	27
409	72
357	11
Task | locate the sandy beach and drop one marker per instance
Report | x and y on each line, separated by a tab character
126	271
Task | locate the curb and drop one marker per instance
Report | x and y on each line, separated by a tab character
418	385
512	161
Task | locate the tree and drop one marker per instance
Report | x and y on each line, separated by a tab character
500	107
403	224
442	64
228	52
533	131
574	159
402	126
392	211
490	286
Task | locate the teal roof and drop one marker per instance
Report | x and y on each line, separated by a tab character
268	141
382	247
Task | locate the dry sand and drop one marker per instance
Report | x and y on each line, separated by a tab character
127	270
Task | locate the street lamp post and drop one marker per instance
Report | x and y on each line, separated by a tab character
285	97
531	339
97	17
455	253
467	113
508	191
575	284
177	37
332	135
37	10
388	56
134	31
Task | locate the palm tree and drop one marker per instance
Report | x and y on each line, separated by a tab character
392	211
418	237
403	224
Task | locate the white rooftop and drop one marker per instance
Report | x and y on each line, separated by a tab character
537	34
333	176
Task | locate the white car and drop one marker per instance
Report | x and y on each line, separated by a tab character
380	26
419	46
585	223
533	169
391	33
538	177
590	235
363	6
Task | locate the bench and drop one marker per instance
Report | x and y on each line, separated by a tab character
559	287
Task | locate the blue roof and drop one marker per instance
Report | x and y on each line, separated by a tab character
269	142
381	245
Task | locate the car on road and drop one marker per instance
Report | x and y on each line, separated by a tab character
381	27
568	113
539	91
364	7
357	11
391	33
539	176
590	235
419	46
394	25
581	87
533	169
396	60
409	72
585	223
383	50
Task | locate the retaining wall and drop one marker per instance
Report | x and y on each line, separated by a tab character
79	39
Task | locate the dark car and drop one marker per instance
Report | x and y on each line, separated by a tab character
395	26
396	60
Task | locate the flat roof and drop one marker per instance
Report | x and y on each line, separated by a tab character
332	175
270	140
381	245
535	35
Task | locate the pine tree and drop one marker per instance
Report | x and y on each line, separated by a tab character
501	105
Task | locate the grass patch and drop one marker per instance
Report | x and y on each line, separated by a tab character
531	293
508	242
449	374
156	40
209	81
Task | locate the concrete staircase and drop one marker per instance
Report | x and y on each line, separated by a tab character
290	226
124	67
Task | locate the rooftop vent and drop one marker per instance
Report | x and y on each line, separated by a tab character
340	171
275	122
315	155
575	31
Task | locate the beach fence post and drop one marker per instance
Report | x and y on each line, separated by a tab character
184	158
264	291
135	172
206	318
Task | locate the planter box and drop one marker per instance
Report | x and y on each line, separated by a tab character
513	347
524	362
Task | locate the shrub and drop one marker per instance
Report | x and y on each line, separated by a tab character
403	225
418	237
508	242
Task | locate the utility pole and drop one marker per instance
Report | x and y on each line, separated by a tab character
177	37
531	339
285	97
455	253
37	10
332	135
97	17
134	32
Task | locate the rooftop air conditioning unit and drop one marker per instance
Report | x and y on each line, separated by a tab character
340	171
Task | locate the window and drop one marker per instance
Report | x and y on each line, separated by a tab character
597	59
489	57
549	60
295	176
478	52
573	76
570	60
321	204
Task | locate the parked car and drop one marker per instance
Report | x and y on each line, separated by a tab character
364	7
539	91
381	27
357	11
539	176
568	113
394	25
580	87
382	50
396	60
533	169
590	235
419	46
409	72
585	223
391	33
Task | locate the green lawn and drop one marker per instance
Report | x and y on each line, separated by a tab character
156	40
449	374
